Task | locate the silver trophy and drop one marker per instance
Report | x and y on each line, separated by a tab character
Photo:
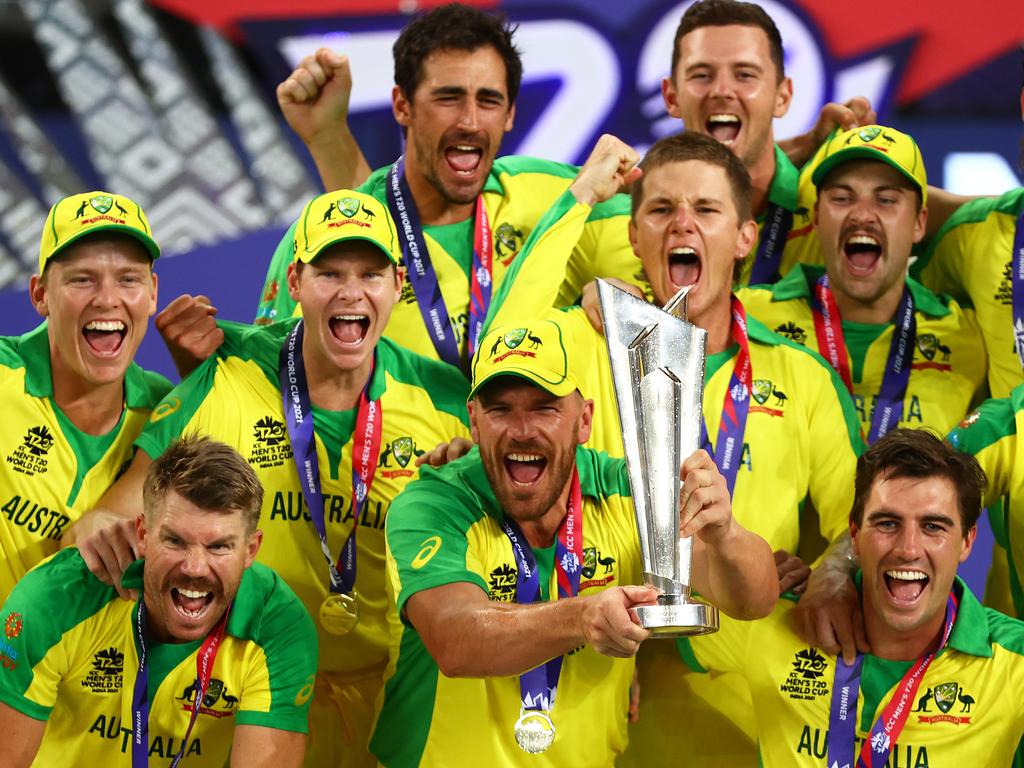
657	363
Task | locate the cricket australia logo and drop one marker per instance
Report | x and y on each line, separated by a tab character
512	341
598	569
270	447
807	679
792	331
105	675
945	696
501	586
401	451
761	391
507	241
348	207
29	458
101	203
929	345
217	702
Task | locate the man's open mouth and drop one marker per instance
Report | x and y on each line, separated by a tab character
350	329
105	337
683	266
525	468
862	253
464	159
191	603
725	128
905	586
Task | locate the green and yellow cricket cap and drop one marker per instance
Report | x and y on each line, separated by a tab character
875	142
79	215
532	351
343	215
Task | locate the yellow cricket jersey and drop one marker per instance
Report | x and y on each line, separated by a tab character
991	434
446	528
235	397
970	259
968	709
516	194
801	445
792	190
52	472
947	376
70	657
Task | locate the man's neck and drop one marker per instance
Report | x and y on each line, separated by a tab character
332	388
94	409
762	172
717	321
878	312
433	208
902	646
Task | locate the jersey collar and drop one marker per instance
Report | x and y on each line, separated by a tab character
798	282
34	349
785	182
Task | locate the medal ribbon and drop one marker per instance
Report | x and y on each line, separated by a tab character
1017	282
205	657
829	331
423	278
537	686
842	730
733	425
298	412
772	242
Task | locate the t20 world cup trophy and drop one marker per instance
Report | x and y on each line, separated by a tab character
657	363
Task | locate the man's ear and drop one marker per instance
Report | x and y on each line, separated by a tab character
37	294
140	533
252	546
968	543
293	280
783	97
670	96
401	107
472	406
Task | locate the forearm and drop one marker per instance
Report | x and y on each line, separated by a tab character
339	160
527	636
738	573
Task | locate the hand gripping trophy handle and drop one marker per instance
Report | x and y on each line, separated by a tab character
657	364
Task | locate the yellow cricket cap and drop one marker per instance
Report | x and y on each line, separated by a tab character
534	351
79	215
875	142
344	215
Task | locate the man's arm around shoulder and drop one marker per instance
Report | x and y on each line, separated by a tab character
256	746
20	736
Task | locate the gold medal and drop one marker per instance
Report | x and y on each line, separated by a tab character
534	731
339	613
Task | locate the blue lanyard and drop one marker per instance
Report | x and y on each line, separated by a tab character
772	242
1017	281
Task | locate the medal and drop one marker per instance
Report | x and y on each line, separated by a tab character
534	731
339	613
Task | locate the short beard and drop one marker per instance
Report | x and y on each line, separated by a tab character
558	471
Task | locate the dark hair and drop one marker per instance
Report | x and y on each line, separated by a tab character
723	13
454	27
690	145
206	473
917	453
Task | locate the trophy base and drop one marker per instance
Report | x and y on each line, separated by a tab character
678	619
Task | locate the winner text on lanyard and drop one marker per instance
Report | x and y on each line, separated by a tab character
205	657
772	242
339	613
842	721
1017	282
534	730
729	450
423	277
828	329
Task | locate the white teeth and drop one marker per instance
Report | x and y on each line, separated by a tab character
192	593
862	240
723	119
105	325
349	317
906	575
682	251
525	457
466	148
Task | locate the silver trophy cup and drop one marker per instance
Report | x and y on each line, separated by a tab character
657	363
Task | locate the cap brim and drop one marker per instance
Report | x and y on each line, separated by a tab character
561	389
300	256
147	242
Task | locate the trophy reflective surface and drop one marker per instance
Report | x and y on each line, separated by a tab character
657	363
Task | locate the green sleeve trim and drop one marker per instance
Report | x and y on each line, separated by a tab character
994	420
52	598
170	418
275	302
602	476
447	387
785	182
1006	632
616	205
295	722
26	707
687	655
